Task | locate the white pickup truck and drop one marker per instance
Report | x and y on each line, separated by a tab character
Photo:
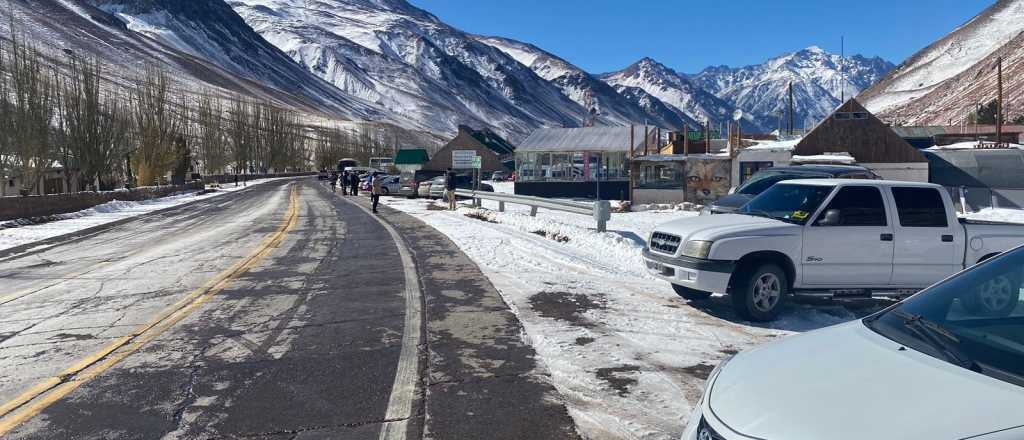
829	237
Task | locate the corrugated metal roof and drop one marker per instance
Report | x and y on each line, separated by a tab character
584	139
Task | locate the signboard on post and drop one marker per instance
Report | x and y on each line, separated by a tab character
465	159
477	162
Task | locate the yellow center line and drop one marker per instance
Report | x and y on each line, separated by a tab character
36	399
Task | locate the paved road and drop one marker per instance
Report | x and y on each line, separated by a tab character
281	311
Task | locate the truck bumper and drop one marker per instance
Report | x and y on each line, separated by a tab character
694	273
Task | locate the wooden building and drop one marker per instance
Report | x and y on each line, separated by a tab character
854	130
467	139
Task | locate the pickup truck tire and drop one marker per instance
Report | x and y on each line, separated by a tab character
691	294
997	298
759	291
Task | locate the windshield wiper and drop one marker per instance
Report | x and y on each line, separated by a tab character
939	338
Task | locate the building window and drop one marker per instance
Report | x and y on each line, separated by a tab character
846	116
576	166
662	175
748	169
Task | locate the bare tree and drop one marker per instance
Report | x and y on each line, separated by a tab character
32	88
210	136
156	127
93	125
6	117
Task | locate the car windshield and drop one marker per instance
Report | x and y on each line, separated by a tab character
787	202
765	179
974	320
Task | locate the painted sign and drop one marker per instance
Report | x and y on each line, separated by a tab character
707	179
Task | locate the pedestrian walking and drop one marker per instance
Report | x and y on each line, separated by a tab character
354	182
343	177
236	179
334	182
375	190
449	186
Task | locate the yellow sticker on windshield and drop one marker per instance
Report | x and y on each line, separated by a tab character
800	215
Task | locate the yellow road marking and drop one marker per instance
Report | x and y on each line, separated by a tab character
42	395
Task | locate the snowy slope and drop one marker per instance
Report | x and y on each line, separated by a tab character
817	77
585	89
673	89
909	88
409	62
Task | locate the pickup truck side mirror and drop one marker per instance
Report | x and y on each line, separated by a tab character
832	217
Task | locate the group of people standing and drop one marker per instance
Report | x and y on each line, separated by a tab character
349	182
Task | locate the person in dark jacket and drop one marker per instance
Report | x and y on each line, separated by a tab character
343	180
354	182
334	182
449	186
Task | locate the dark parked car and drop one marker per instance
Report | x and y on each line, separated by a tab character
764	179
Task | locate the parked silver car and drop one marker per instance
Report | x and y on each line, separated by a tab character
424	188
437	187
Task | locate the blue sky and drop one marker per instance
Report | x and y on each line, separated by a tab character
688	35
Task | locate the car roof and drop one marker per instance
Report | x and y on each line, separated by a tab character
859	182
830	169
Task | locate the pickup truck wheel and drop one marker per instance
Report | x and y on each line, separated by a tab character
996	298
760	292
691	294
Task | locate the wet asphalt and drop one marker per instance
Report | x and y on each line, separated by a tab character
304	345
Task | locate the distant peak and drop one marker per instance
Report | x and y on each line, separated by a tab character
814	49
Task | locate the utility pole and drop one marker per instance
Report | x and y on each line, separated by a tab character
842	68
632	149
707	136
791	117
999	101
686	139
647	137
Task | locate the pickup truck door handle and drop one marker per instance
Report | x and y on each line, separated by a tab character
947	238
886	237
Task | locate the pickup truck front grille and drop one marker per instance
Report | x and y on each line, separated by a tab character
665	243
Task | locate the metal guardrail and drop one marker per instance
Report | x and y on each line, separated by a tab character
600	210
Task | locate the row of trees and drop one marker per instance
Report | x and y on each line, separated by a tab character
62	112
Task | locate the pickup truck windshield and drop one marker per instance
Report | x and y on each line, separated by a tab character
788	202
765	179
974	320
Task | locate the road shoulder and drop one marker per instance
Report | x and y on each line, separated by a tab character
482	380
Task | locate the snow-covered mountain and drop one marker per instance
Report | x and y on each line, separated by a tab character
761	90
943	82
202	44
589	91
409	62
675	90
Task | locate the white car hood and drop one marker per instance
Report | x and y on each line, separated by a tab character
848	382
717	227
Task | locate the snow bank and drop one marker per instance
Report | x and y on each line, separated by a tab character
969	145
629	357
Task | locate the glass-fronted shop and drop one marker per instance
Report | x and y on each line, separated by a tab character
575	166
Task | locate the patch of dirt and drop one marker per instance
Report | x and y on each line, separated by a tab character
729	351
70	336
556	236
584	341
619	378
436	207
565	306
700	371
480	216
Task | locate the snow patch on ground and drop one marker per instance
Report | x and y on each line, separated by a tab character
628	355
13	235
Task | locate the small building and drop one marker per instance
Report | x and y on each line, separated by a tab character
854	130
467	139
587	162
923	137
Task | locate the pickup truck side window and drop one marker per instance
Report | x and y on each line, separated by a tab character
920	207
858	206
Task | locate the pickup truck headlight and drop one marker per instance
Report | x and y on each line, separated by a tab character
697	249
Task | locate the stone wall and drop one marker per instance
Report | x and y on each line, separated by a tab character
41	206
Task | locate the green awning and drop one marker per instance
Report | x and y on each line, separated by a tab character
412	156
